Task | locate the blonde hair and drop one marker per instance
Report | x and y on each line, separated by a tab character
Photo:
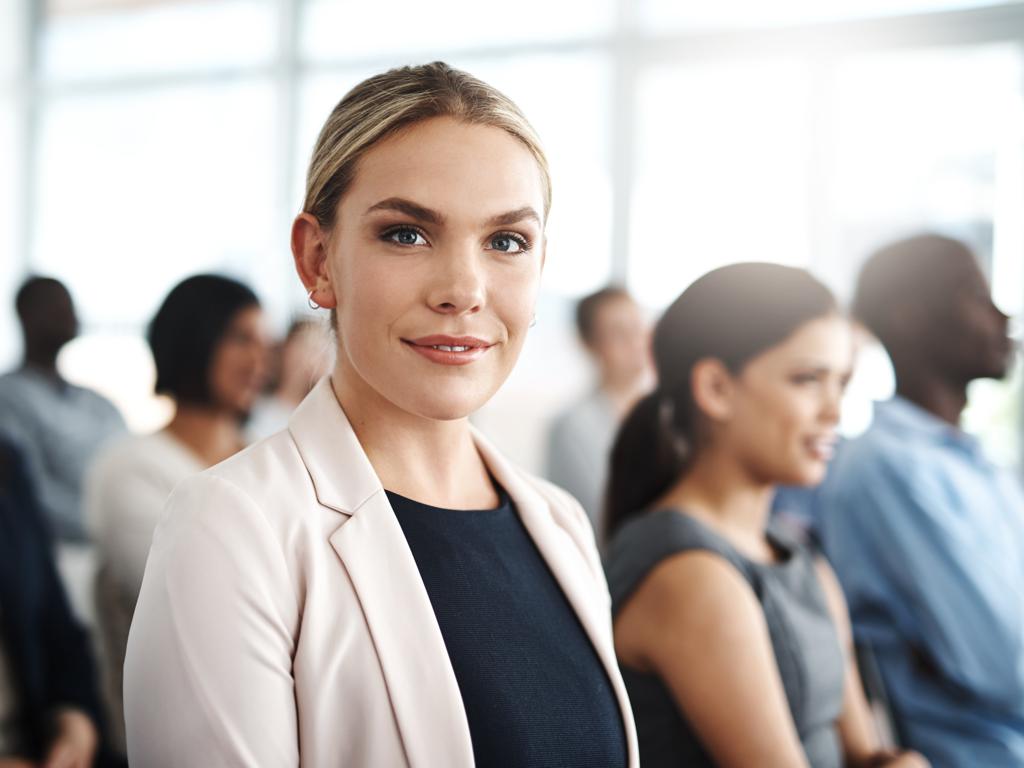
385	104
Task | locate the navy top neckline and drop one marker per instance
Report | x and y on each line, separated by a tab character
534	689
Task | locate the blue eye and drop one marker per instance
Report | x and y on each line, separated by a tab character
509	242
404	236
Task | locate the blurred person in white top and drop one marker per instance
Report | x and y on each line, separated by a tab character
209	347
616	336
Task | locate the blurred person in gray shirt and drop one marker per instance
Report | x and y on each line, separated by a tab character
57	425
616	336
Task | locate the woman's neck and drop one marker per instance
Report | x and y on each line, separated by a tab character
722	493
430	460
211	434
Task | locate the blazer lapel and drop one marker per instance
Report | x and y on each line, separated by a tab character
369	541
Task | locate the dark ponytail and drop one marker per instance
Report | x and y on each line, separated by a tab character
731	314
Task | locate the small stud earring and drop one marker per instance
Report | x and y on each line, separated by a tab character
533	322
309	300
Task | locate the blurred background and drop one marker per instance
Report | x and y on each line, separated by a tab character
145	140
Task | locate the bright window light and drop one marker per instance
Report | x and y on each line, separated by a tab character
721	172
159	39
672	14
138	190
337	31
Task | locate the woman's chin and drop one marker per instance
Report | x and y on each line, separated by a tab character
811	475
449	404
448	410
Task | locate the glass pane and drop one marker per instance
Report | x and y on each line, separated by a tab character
137	190
721	170
670	14
159	38
11	213
419	31
12	38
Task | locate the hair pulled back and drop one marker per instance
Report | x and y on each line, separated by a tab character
385	104
731	314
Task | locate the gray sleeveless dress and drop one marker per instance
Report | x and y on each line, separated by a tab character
806	645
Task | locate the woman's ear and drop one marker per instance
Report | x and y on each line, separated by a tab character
310	246
713	389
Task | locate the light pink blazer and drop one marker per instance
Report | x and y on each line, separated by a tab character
283	621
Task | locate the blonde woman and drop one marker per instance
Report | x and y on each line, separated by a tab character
376	586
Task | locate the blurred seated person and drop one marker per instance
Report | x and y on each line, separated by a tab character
733	638
58	426
616	336
48	703
302	359
924	532
209	348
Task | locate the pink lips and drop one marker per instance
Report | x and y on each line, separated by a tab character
449	350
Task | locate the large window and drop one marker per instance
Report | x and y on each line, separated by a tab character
83	40
153	138
138	189
13	93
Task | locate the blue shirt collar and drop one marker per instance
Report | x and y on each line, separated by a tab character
911	420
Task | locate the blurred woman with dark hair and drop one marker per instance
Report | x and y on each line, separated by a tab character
209	350
734	640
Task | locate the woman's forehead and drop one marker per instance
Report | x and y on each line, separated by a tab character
449	167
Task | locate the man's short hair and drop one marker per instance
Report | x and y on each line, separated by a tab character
908	270
589	306
34	290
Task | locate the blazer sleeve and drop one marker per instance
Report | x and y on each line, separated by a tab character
208	677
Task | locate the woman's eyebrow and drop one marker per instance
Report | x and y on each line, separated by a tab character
430	216
511	217
415	210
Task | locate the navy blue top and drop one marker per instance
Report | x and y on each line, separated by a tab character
534	689
47	650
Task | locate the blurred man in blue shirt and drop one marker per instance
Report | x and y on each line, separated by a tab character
58	426
926	535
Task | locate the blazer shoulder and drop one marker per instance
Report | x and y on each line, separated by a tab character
564	507
569	515
264	490
266	469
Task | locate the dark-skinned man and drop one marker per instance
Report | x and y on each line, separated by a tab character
925	533
56	425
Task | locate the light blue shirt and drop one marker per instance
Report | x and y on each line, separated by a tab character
58	427
927	537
